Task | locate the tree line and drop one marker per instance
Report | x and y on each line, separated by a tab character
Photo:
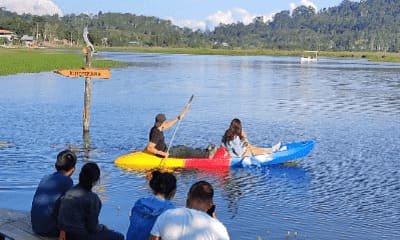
367	25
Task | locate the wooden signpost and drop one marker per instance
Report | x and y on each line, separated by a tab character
85	72
88	73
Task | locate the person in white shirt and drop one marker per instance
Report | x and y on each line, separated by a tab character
195	221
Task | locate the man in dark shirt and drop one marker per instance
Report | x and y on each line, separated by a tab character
157	145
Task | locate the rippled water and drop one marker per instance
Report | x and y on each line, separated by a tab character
347	188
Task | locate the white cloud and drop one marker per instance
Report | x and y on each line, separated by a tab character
292	6
193	24
229	16
244	16
221	17
308	3
36	7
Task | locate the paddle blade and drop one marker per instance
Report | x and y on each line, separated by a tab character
191	99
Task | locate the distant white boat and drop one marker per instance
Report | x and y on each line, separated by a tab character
309	57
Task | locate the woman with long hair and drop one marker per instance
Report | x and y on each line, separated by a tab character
235	141
80	208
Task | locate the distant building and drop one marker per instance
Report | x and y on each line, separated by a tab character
7	34
27	40
222	44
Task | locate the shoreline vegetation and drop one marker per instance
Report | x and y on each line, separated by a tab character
23	60
18	60
371	56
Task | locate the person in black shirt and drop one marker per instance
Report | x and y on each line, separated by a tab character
157	145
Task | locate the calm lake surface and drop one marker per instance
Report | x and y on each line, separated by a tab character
348	187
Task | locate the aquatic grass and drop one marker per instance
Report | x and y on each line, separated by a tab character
207	51
13	61
371	56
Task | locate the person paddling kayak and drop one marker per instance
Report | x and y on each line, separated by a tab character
157	145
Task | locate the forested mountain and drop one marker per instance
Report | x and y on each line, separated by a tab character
370	25
367	25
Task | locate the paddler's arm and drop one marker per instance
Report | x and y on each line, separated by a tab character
171	122
151	148
152	237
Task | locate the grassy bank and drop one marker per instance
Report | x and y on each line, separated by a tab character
206	51
372	56
13	61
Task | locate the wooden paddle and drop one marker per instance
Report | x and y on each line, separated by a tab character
185	109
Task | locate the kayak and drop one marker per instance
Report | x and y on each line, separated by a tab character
221	159
145	161
286	152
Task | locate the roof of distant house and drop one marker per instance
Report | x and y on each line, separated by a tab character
27	38
3	31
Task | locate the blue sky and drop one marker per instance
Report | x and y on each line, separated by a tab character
189	13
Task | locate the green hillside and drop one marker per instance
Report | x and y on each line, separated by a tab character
366	25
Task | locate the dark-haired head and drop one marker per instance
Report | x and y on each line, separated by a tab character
66	160
160	118
235	129
89	175
163	183
201	191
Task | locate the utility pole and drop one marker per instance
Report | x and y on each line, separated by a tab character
37	34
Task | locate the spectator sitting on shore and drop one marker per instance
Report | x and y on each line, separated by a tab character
146	210
80	208
196	221
49	190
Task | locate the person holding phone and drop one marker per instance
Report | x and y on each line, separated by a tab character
183	223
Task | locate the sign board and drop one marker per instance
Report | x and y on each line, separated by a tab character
86	72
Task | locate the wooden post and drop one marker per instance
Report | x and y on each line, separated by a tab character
88	90
88	72
86	113
86	110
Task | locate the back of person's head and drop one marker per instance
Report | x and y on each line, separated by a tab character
201	191
66	160
236	125
89	175
235	129
163	183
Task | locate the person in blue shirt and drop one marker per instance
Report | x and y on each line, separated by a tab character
49	190
146	210
236	143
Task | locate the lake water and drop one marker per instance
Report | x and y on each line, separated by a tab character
348	187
